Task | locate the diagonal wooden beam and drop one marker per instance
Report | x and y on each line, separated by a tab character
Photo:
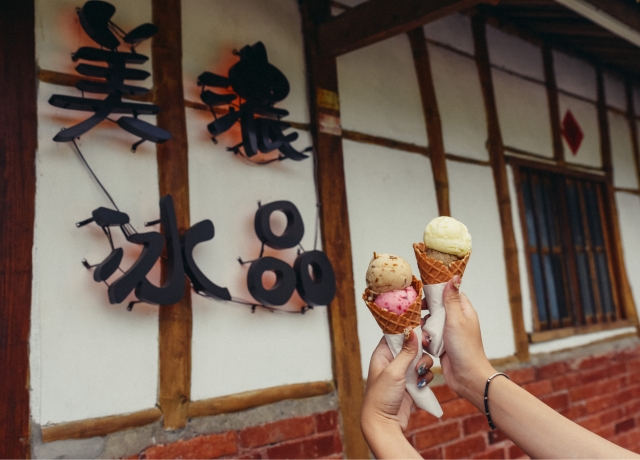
376	20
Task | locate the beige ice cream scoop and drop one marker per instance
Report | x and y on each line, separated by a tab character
447	235
387	272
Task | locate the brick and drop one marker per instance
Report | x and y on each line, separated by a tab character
438	434
539	388
444	393
522	375
557	401
583	392
563	382
420	419
431	453
516	452
575	412
249	455
474	424
625	425
600	403
211	446
496	436
326	421
322	445
590	423
456	408
498	452
612	415
634	378
632	407
605	432
551	370
594	375
271	433
594	361
465	448
617	368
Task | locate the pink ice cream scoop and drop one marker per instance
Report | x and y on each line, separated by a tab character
397	302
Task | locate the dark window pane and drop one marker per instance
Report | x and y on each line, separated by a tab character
551	287
604	283
550	217
562	298
575	216
593	216
529	212
538	282
541	213
584	280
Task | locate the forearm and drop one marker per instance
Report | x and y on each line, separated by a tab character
537	429
388	441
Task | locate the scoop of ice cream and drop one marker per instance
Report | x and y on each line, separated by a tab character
387	272
445	234
441	256
397	302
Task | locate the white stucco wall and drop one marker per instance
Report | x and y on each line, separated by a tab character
453	30
586	115
629	213
614	91
280	348
625	173
575	75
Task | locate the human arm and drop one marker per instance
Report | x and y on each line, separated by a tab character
538	430
387	405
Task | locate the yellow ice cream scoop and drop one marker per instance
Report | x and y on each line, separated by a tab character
445	234
387	272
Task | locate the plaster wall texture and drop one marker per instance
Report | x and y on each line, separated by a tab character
453	30
625	173
391	199
473	201
379	92
514	54
523	113
636	100
614	91
575	75
459	96
88	358
628	211
586	115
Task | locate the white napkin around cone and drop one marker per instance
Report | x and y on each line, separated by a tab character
434	325
423	397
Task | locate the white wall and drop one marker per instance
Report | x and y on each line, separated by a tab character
625	172
234	350
87	358
453	30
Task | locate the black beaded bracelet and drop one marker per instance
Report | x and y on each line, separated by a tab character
486	398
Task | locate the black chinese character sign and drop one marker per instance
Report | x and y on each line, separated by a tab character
312	274
95	19
257	85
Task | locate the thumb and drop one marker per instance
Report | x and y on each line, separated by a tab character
407	354
451	297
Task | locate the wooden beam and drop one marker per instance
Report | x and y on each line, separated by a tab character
250	399
498	165
376	20
619	275
334	216
365	138
633	127
84	429
620	10
173	171
432	118
18	143
552	99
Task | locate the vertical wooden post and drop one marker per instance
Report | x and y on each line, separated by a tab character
554	108
620	279
18	144
633	127
498	165
432	118
336	241
173	170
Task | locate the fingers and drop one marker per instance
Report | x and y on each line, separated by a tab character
426	339
379	359
466	307
408	352
423	368
451	297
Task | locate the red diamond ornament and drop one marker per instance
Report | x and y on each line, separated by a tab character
571	132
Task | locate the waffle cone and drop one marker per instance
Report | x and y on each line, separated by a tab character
433	271
390	323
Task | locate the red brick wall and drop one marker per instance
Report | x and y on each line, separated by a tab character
313	436
601	393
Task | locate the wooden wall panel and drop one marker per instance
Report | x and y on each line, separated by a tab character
18	143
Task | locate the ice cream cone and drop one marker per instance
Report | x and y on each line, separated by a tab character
389	322
433	271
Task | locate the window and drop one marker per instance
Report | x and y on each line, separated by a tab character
568	251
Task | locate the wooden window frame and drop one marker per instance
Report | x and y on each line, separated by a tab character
578	325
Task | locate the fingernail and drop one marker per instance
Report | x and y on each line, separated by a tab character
422	383
457	282
422	369
407	333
